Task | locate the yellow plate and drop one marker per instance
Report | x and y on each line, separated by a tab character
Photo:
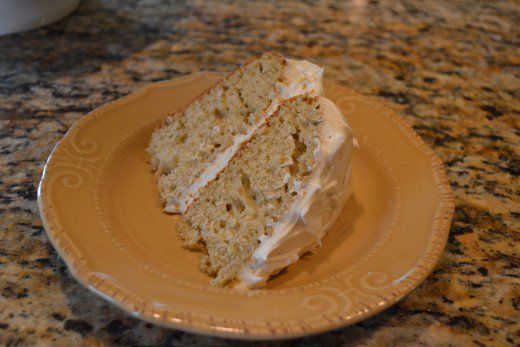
100	208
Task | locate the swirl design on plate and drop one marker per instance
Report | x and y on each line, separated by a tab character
348	295
78	160
69	178
328	301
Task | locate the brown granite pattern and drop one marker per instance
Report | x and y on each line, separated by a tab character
450	67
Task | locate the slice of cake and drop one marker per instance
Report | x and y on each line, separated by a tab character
277	197
195	144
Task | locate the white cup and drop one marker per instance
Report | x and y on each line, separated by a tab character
21	15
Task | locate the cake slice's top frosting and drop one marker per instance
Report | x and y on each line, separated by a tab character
301	77
315	208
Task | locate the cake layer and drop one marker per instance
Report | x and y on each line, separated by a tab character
194	145
276	198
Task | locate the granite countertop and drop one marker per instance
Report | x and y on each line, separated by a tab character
450	67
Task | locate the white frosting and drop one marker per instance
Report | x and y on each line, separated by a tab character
302	77
316	207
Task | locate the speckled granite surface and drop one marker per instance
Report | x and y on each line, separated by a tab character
450	67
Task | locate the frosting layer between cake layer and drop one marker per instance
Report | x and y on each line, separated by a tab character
301	77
